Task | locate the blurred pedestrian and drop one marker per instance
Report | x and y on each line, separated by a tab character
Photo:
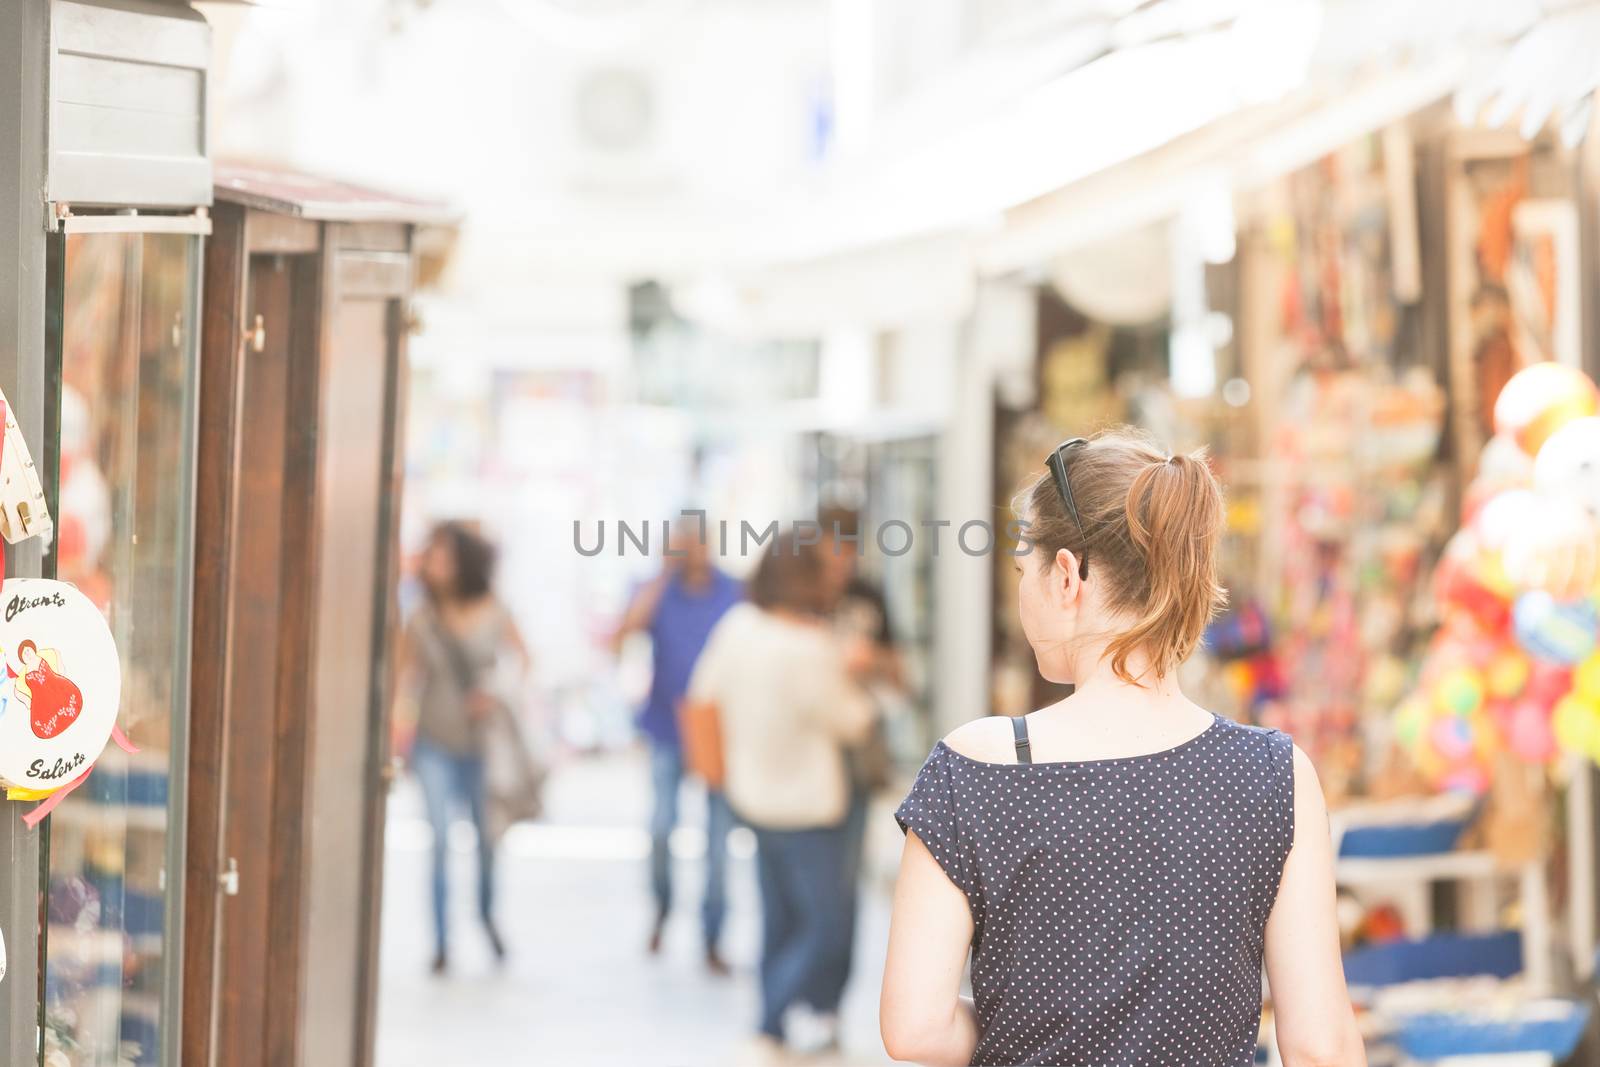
678	609
788	707
1119	865
860	617
451	651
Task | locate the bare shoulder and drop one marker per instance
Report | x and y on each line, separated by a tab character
988	739
1310	809
1307	786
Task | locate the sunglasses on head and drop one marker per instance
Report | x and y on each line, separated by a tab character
1058	470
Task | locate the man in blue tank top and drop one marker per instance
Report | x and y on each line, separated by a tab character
678	609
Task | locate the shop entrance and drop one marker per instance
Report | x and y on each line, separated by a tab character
297	469
248	727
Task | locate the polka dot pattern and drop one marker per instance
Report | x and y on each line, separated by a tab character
1119	906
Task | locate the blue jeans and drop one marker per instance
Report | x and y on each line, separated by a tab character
666	775
805	891
449	779
828	991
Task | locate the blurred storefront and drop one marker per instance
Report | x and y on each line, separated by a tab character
1340	346
208	893
101	296
301	425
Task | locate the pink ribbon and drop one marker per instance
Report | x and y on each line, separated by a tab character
48	804
33	818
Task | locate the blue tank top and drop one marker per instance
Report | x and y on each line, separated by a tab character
1119	906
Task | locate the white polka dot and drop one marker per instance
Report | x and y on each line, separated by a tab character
1119	906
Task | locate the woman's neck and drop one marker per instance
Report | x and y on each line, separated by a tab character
459	605
1100	691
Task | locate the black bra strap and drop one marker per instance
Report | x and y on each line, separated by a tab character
1019	727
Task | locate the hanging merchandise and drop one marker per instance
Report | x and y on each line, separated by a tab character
1353	488
60	678
23	513
1514	666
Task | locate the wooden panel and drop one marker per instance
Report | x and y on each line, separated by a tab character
216	455
177	38
372	237
281	234
127	114
387	631
294	725
253	685
374	274
350	500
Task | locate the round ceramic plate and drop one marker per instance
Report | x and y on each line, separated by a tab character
60	683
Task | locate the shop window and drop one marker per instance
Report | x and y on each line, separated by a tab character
120	378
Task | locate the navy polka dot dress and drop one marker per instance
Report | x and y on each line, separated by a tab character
1119	906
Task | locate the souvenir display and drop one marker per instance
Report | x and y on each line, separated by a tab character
1353	490
1513	667
60	680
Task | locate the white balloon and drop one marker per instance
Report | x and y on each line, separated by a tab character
1554	546
1569	463
1504	463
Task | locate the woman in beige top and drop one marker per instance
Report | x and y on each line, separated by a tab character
788	708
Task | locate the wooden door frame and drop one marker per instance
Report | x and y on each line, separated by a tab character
341	262
237	235
394	290
289	873
216	468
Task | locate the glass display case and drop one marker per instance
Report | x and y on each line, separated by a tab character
120	378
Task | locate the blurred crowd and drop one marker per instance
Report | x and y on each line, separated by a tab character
767	693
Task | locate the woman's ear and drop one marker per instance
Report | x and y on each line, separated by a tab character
1066	580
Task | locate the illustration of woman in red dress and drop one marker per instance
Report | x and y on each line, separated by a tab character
53	700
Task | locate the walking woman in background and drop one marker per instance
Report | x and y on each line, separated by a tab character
451	649
788	707
1116	865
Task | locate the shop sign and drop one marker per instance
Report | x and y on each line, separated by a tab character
60	677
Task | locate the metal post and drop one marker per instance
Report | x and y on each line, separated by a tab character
24	51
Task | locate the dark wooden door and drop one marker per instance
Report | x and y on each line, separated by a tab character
252	708
263	297
294	624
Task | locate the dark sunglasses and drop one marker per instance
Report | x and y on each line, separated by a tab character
1058	469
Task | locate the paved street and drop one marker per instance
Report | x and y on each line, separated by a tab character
579	988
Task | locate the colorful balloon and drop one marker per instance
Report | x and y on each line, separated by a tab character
1555	546
1531	738
1586	679
1568	466
1469	779
1410	719
1502	465
1497	524
1460	691
1561	632
1577	725
1539	400
1507	674
1459	592
1452	738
